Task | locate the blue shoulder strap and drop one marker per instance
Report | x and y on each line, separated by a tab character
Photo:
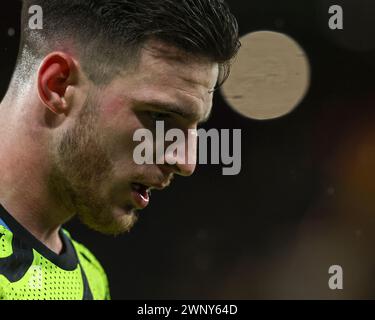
2	223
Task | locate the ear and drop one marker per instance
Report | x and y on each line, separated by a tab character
56	73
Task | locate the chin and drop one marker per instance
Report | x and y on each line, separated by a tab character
119	221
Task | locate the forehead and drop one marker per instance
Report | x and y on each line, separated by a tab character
163	60
169	75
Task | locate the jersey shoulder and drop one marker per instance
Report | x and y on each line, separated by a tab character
6	251
94	271
6	237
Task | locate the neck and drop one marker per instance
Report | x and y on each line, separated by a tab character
24	174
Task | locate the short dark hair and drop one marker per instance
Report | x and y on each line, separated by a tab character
108	33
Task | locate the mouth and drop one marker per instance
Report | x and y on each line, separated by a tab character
141	195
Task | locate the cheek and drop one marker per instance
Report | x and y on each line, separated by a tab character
117	127
112	109
117	115
118	123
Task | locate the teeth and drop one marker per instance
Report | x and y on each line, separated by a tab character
141	188
142	196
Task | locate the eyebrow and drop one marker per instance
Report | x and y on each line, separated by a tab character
176	109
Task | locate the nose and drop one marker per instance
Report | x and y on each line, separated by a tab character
183	159
185	170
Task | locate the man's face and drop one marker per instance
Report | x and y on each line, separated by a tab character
94	159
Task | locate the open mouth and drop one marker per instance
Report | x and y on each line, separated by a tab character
141	195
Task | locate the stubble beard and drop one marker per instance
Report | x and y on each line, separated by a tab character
82	175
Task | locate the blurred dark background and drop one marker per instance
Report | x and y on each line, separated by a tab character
303	201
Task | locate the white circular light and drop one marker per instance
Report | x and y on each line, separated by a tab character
269	77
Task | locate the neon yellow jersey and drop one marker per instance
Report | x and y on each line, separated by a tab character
30	271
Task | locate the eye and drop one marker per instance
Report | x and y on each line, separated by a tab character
158	116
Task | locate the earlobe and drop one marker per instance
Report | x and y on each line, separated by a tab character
55	75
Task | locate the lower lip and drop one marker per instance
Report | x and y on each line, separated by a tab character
141	201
